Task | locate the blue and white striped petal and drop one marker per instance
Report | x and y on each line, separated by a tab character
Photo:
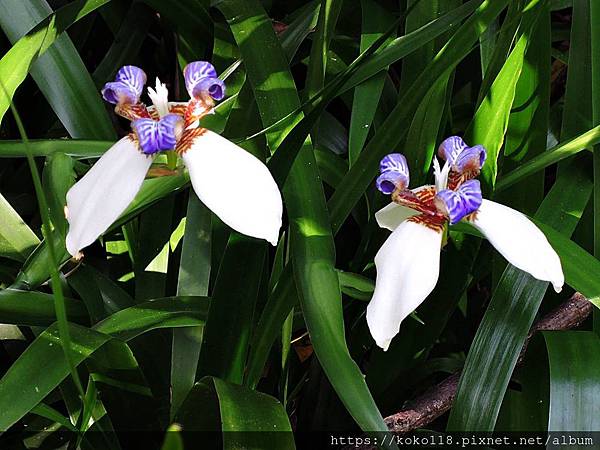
460	156
155	136
457	204
127	87
201	81
394	173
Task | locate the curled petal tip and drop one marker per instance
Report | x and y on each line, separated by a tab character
201	81
450	148
127	87
460	156
394	173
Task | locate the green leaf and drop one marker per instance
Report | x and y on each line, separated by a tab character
77	148
574	360
230	319
404	45
375	22
246	418
595	62
491	119
310	240
278	306
194	278
58	177
512	309
393	130
54	63
17	241
36	309
317	67
127	43
42	366
168	312
552	156
526	134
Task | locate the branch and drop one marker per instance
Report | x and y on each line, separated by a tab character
437	400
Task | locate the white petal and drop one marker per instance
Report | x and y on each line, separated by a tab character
99	198
236	186
520	242
408	266
392	215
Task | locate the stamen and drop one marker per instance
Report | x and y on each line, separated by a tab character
160	98
440	175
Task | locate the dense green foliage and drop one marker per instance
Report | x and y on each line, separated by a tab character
172	318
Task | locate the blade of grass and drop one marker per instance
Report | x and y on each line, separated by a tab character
54	63
194	278
552	156
508	318
392	130
17	240
43	366
59	300
574	361
311	242
375	21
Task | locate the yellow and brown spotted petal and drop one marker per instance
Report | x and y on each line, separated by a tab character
187	139
196	109
420	199
132	111
433	222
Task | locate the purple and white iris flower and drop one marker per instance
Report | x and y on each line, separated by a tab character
235	185
408	262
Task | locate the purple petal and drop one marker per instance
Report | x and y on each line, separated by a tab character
471	158
201	80
388	182
460	203
127	87
460	156
394	169
155	136
450	148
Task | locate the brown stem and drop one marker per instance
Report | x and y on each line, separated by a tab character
437	400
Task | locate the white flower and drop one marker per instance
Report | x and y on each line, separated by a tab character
408	262
233	183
